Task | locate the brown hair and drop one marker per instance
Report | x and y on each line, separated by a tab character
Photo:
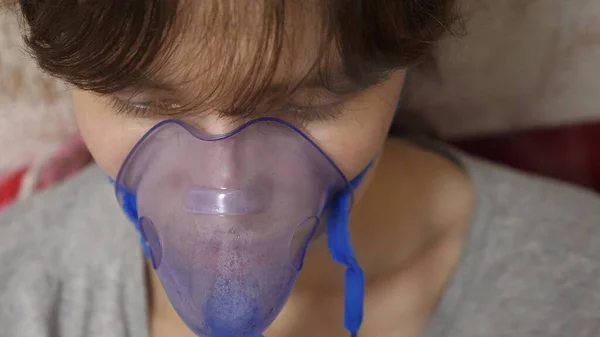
109	45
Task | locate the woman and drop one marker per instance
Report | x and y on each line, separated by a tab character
237	135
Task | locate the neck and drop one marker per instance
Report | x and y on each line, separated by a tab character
415	199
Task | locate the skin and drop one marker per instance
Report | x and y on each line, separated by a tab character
407	225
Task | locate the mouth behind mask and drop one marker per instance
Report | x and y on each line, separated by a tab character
226	220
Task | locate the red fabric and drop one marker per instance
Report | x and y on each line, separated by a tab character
10	186
570	153
67	161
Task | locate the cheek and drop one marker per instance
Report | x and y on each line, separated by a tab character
108	137
356	138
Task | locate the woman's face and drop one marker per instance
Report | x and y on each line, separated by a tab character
349	127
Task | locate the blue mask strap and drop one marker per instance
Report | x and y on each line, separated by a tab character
130	209
354	183
340	248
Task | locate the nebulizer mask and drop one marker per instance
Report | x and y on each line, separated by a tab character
226	220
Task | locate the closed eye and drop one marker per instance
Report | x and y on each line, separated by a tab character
302	108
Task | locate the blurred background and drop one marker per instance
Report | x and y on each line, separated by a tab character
518	83
39	145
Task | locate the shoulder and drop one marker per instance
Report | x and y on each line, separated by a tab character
536	212
60	247
533	261
80	216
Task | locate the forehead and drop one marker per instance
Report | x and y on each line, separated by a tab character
224	47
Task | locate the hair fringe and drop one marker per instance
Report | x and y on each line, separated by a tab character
106	46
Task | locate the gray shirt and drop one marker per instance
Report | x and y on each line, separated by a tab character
71	266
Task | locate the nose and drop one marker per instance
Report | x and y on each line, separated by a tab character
220	160
214	125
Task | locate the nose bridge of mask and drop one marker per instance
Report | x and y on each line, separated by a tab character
227	243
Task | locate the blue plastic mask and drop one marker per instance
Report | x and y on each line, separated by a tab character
226	220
